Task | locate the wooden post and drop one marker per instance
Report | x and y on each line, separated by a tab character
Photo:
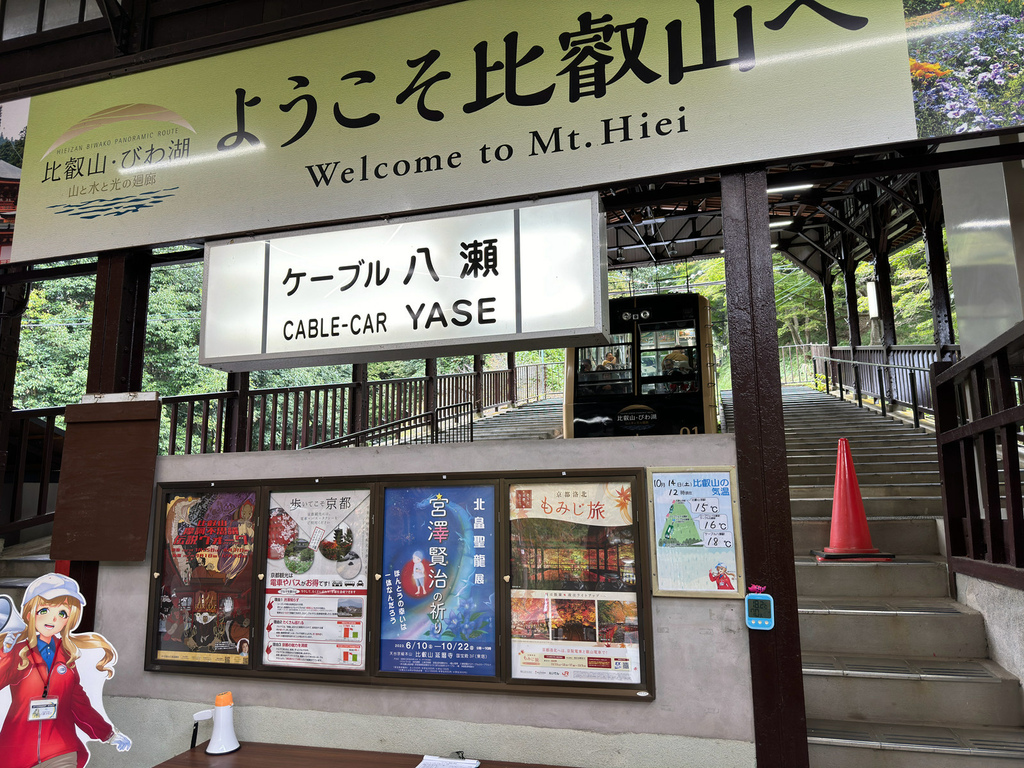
116	356
935	256
780	727
478	383
15	299
238	424
513	387
359	406
119	322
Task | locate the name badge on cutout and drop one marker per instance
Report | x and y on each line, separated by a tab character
42	709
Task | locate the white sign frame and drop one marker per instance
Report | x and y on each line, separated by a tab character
662	584
549	284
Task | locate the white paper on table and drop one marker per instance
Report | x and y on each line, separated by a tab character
433	761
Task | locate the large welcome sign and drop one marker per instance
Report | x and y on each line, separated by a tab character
485	100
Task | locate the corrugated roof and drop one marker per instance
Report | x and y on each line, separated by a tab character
8	171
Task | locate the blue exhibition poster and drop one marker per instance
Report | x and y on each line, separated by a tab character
437	600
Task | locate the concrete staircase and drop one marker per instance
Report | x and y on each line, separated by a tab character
21	564
896	672
535	421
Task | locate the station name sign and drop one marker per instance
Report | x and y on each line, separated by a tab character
490	278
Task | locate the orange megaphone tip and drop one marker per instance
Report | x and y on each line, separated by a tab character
224	699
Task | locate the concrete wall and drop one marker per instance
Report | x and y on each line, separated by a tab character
1003	609
702	714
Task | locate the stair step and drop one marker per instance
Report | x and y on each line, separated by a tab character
898	535
891	626
846	744
901	506
903	577
29	566
896	476
920	690
867	490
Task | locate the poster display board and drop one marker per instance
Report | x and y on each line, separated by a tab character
695	532
437	596
204	614
574	588
317	559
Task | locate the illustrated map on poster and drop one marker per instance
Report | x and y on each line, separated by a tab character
694	532
574	601
437	601
317	550
205	612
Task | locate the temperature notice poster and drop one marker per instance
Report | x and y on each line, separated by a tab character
437	597
694	532
317	546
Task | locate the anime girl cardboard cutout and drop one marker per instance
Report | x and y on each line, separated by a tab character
51	679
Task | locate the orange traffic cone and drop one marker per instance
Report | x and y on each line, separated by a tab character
849	538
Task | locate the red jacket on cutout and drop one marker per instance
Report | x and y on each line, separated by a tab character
24	744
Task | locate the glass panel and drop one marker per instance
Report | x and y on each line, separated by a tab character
206	602
61	13
318	547
607	368
574	599
21	18
669	358
92	10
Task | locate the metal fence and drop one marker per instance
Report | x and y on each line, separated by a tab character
298	417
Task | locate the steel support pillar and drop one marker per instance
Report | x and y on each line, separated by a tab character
780	728
849	267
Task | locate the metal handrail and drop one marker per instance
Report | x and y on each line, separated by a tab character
914	402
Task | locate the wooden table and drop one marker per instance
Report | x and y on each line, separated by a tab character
256	755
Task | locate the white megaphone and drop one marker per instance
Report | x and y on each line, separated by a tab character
10	620
223	739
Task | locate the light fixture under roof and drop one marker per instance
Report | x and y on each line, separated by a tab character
790	188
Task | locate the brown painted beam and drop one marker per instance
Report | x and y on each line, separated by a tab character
780	728
935	257
119	322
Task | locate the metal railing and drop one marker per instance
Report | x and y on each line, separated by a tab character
796	363
35	440
195	423
539	381
980	429
448	424
298	417
894	376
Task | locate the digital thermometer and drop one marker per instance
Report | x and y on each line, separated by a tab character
760	611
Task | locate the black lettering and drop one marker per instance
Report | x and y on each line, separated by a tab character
482	311
537	142
415	316
463	318
346	175
663	124
382	319
287	323
452	158
429	162
608	130
323	173
400	164
436	316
